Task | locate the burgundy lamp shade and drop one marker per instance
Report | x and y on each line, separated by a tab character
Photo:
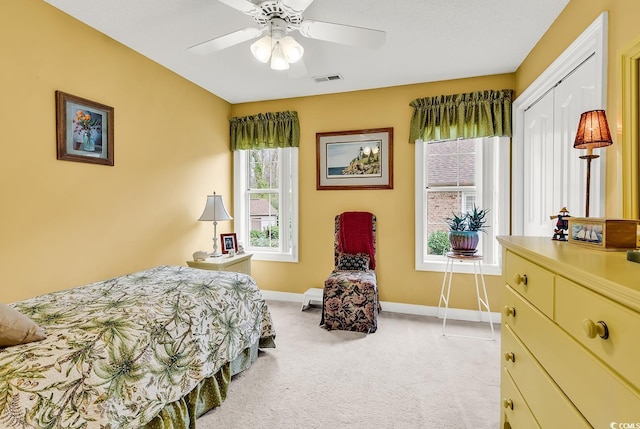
593	131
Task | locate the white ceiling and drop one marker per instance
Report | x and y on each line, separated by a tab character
427	40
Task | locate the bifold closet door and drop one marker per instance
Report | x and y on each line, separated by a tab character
554	175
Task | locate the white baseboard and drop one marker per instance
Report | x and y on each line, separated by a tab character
396	307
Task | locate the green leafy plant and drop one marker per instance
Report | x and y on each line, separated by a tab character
473	220
438	243
268	237
476	219
458	222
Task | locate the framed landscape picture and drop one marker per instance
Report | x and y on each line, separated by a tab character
357	159
84	130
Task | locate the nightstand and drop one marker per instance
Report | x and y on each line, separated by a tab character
237	263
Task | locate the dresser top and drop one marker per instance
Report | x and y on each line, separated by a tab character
605	272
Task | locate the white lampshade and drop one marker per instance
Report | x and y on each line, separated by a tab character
293	51
261	49
278	61
277	46
214	209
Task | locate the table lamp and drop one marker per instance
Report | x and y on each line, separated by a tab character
215	211
593	132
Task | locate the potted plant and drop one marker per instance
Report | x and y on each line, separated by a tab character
464	228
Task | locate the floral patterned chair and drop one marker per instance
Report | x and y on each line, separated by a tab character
350	296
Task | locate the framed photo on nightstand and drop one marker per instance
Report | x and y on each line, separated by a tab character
229	242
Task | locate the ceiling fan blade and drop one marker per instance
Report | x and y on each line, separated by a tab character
344	34
243	6
295	6
226	41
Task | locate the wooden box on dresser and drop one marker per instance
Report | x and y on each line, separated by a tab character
570	336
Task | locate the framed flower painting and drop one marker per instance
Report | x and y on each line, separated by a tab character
84	130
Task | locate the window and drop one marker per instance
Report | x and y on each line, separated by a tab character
453	176
266	202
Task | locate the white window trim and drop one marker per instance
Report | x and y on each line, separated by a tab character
289	168
499	221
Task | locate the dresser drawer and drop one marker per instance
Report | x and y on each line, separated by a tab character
531	281
597	392
544	398
579	311
515	412
521	316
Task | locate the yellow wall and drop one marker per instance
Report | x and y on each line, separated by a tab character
65	223
397	279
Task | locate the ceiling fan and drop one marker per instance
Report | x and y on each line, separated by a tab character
277	18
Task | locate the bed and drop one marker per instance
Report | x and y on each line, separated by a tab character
153	349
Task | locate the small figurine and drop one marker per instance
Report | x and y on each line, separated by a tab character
200	255
562	225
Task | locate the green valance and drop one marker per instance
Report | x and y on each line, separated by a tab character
265	131
449	117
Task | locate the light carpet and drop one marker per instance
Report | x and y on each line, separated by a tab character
406	375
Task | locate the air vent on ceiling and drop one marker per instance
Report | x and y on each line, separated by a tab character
327	78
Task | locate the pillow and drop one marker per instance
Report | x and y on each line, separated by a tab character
16	328
353	262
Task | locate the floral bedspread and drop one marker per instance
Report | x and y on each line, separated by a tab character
119	350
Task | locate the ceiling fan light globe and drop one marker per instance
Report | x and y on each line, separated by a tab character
261	49
278	60
279	65
294	55
293	51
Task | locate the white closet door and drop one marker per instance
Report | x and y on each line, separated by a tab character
575	95
554	175
539	175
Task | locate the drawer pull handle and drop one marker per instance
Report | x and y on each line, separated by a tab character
509	311
508	403
520	279
599	328
510	356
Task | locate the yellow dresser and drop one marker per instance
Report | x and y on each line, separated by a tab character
570	336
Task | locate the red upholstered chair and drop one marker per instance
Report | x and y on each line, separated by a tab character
350	296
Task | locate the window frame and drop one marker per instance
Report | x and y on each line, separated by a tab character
287	201
492	191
